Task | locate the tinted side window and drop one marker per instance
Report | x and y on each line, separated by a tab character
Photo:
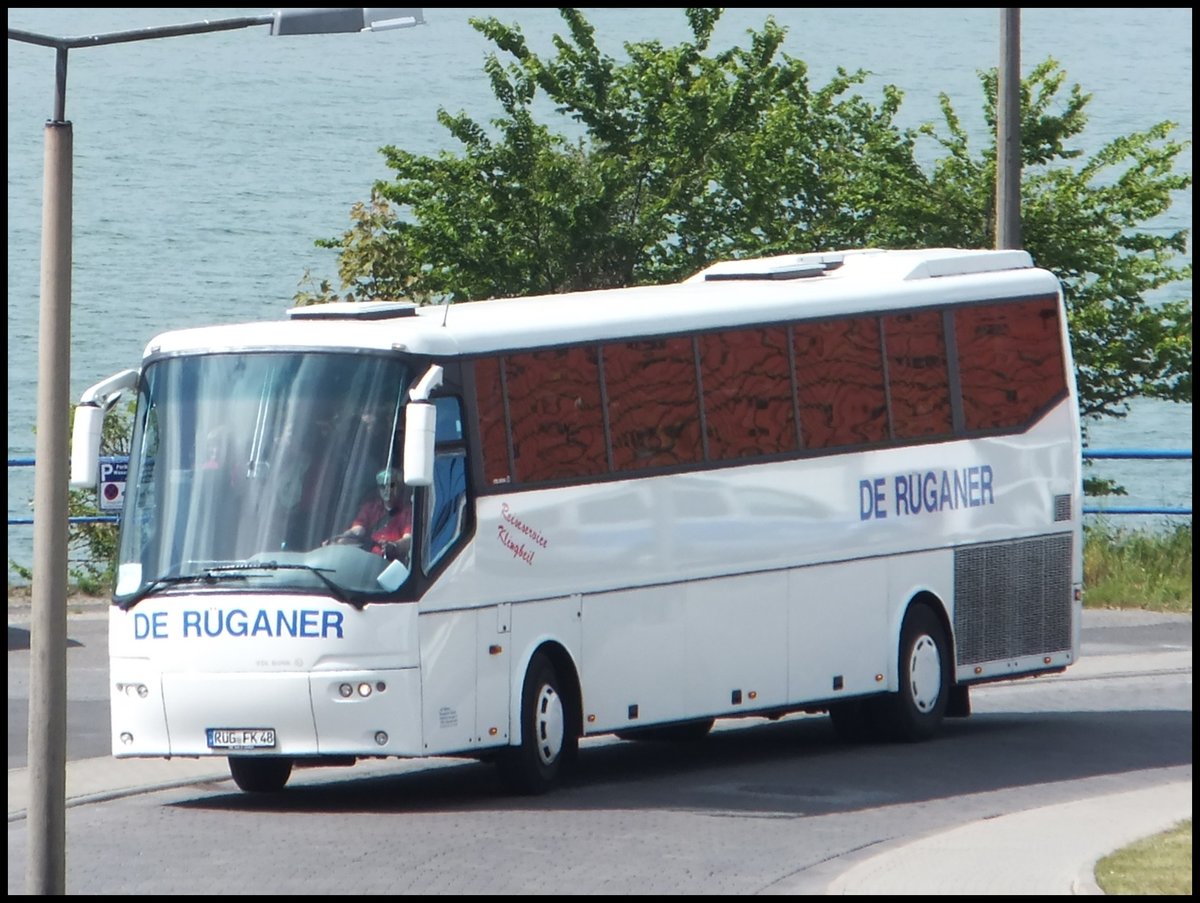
584	412
839	377
654	411
557	419
918	380
746	377
1010	362
489	397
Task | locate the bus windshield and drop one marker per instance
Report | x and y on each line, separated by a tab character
268	471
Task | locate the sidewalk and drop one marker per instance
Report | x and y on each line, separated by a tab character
1050	850
92	780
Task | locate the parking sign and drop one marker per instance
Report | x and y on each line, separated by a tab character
112	483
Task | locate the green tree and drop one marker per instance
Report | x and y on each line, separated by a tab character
1084	219
678	156
685	158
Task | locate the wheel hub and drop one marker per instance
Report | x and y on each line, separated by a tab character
925	674
550	725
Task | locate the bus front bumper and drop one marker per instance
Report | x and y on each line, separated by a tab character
360	712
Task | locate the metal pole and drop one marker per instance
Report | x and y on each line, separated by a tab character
1008	132
46	870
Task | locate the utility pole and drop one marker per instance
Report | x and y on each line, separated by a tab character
1008	132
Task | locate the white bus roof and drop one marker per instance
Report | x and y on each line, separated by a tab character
731	293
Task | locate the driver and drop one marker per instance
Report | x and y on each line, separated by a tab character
384	522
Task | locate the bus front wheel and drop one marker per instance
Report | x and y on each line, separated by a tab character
547	739
260	774
916	712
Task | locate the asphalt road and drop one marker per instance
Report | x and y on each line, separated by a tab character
756	808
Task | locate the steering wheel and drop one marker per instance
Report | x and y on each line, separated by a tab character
362	540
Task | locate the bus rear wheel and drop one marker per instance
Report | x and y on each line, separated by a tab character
548	741
260	774
916	712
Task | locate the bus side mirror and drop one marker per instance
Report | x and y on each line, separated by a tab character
85	446
89	422
420	427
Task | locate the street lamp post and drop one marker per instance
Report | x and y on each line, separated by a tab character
46	815
1008	131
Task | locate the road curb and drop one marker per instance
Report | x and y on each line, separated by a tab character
104	777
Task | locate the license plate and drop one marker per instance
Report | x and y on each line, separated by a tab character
241	737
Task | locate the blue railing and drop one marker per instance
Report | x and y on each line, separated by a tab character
1138	454
28	521
1143	454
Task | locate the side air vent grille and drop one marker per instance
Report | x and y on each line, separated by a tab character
1012	599
1062	507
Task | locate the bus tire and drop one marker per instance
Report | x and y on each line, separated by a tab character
548	741
916	712
260	774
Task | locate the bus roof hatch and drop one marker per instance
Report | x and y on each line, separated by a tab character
354	310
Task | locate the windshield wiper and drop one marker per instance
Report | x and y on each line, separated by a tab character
160	583
338	591
236	570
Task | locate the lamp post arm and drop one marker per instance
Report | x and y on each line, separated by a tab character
139	34
282	22
62	45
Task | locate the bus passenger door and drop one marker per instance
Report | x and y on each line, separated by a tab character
465	658
448	658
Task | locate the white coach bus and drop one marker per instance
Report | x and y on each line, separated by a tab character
840	482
